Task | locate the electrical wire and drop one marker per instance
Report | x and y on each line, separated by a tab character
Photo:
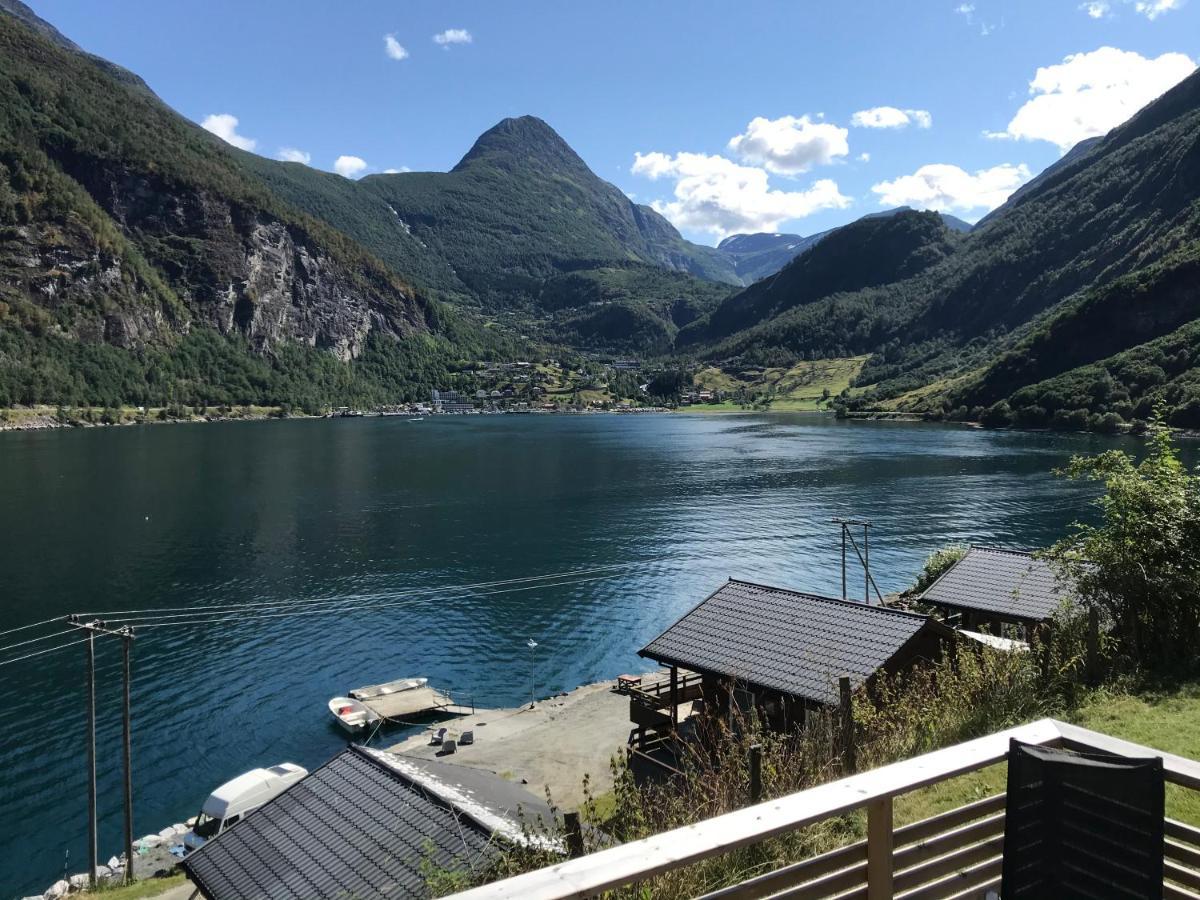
369	606
133	615
43	652
35	625
44	637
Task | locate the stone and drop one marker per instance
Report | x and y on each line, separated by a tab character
114	862
167	833
78	882
151	841
56	890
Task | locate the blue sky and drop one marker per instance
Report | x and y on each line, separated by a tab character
728	117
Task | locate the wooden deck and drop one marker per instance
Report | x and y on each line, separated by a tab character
413	704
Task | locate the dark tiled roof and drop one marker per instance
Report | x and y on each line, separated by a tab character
1005	582
784	640
366	825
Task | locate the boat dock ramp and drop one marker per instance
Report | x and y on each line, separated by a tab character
410	704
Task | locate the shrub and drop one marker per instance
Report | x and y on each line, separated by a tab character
1141	565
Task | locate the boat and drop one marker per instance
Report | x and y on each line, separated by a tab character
417	419
388	687
351	714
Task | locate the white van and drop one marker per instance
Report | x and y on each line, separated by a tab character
232	801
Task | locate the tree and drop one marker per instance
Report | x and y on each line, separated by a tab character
1141	565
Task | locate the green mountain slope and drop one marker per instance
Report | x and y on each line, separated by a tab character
872	251
140	259
1095	259
630	308
522	206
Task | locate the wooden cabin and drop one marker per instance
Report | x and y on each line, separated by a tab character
778	651
1005	592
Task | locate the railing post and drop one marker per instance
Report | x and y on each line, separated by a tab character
574	834
879	849
1093	645
674	697
755	772
846	720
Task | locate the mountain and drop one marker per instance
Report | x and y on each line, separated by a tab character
141	260
520	207
874	250
755	256
1071	302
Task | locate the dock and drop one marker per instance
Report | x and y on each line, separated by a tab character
413	704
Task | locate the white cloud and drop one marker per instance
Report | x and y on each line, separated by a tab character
790	145
1087	94
1152	9
291	154
452	36
396	171
224	126
864	156
1097	9
349	166
945	187
965	9
393	48
716	195
891	117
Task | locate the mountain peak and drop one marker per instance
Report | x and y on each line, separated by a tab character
518	142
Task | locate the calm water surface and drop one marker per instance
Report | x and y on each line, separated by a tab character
388	511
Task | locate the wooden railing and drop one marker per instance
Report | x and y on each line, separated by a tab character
657	694
955	854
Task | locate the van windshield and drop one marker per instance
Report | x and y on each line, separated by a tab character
206	826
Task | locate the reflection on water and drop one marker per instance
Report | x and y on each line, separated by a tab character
396	514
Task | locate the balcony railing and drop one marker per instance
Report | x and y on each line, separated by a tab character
955	854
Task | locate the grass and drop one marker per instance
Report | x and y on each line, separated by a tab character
799	388
1168	721
145	887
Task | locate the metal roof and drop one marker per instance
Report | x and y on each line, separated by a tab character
785	640
368	825
1009	583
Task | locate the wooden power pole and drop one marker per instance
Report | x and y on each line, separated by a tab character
126	635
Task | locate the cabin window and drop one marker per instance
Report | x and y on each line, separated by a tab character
206	826
230	822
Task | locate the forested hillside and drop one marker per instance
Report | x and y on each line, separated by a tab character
1096	258
140	261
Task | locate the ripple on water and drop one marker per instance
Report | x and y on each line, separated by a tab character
383	518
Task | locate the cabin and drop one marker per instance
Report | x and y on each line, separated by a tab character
369	825
780	652
1005	592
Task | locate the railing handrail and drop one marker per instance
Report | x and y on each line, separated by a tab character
635	861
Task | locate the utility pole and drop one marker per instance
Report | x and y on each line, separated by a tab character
93	860
126	647
843	524
94	628
532	645
863	554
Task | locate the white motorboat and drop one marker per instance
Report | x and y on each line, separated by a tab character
388	687
351	714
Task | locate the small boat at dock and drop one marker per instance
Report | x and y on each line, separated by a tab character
351	714
371	691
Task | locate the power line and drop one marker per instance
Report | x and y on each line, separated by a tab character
369	606
43	652
34	625
44	637
134	615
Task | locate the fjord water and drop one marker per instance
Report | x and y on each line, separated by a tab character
387	511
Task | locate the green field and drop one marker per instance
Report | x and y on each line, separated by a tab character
800	388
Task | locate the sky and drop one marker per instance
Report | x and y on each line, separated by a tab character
760	115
